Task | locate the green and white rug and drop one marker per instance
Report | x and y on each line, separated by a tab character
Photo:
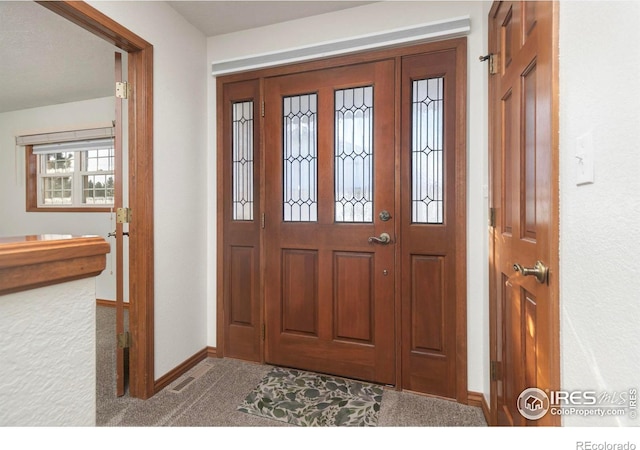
308	399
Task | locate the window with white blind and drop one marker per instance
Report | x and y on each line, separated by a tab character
77	174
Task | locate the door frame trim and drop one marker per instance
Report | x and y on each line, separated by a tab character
141	255
460	46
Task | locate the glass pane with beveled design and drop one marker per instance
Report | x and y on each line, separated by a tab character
300	158
242	147
427	168
354	154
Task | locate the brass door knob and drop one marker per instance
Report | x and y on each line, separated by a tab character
539	270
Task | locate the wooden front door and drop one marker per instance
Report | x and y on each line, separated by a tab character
342	212
329	256
524	180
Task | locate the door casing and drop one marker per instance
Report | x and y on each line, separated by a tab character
460	47
140	163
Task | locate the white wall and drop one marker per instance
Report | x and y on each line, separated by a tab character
599	246
180	176
374	18
15	220
47	349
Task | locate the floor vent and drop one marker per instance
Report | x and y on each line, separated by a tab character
190	377
183	384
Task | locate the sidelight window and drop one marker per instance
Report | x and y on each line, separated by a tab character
427	169
242	144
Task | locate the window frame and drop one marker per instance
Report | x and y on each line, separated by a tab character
33	180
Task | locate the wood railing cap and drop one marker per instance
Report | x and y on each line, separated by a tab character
35	249
27	262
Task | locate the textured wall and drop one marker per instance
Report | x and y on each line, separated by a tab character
180	177
599	246
47	356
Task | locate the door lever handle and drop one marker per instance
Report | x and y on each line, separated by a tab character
383	239
539	270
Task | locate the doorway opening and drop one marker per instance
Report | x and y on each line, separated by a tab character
140	183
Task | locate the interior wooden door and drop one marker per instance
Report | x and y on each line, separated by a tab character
329	245
121	352
524	179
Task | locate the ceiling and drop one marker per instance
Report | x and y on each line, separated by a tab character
47	60
222	17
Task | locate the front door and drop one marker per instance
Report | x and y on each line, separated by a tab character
343	216
330	221
524	180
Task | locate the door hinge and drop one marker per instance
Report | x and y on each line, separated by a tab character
123	89
492	217
124	340
264	331
262	108
123	215
495	371
493	62
262	220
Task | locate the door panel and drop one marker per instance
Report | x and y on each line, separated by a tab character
524	317
427	304
241	270
430	163
330	292
300	300
241	181
354	289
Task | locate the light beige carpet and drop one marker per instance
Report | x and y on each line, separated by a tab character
219	385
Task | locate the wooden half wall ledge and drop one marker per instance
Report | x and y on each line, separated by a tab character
29	262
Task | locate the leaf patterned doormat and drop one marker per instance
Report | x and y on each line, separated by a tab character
308	399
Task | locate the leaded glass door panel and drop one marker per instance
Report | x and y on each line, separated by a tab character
329	266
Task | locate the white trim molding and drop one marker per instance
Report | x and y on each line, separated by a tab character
431	31
66	136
